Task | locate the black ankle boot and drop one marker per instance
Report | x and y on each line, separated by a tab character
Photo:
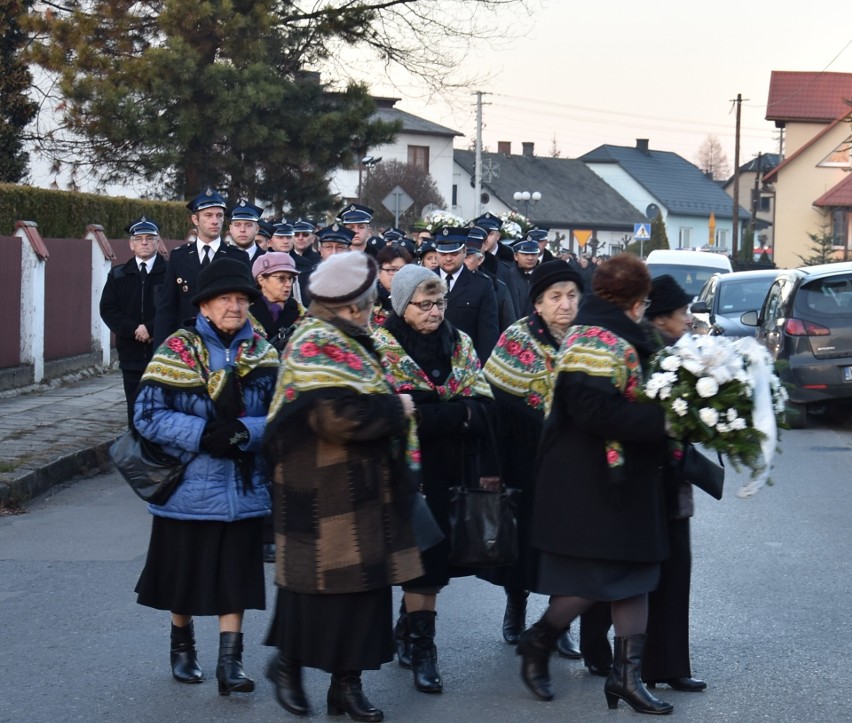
345	695
625	681
184	659
286	675
229	669
515	617
535	646
566	647
401	638
424	654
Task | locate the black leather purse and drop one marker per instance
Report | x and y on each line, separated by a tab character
151	473
483	527
703	472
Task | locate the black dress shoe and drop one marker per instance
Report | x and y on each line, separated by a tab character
602	670
687	685
567	648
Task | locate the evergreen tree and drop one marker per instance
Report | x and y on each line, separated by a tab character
16	108
822	248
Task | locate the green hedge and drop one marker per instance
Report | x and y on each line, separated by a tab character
65	214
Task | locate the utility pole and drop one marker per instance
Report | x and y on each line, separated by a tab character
477	164
736	215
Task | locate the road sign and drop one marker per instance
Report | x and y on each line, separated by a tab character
641	231
397	202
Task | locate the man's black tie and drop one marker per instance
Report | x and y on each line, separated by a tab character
143	270
206	259
449	281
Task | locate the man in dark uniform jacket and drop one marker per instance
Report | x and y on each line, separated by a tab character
471	302
174	303
244	223
334	239
127	305
539	235
303	252
526	259
507	313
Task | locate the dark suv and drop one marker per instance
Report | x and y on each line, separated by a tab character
806	324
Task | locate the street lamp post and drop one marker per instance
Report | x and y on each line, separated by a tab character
526	198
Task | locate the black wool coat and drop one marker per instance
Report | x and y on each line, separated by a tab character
581	508
472	307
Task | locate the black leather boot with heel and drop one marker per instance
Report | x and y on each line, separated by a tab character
535	646
424	653
402	639
286	676
345	695
184	659
229	669
625	680
515	617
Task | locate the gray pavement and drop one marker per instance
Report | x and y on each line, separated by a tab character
51	434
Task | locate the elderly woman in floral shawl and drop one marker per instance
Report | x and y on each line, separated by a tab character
438	366
520	373
340	446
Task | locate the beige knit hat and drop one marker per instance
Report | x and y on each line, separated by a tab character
342	278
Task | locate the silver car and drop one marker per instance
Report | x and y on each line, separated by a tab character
724	298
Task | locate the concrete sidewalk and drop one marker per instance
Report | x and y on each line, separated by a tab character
51	435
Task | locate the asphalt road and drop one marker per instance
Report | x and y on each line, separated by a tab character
770	617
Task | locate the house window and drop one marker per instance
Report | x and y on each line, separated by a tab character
765	204
839	219
418	156
684	235
838	158
455	194
721	238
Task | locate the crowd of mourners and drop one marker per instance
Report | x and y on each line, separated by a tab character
314	381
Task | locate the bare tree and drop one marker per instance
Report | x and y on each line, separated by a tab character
712	159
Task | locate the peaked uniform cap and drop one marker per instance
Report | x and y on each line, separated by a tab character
143	225
245	211
355	213
208	198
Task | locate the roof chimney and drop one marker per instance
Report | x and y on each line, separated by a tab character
504	147
642	145
527	149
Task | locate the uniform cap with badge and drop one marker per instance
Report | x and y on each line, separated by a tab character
143	225
450	239
208	198
355	213
245	211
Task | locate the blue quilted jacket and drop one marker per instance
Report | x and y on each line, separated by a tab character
211	488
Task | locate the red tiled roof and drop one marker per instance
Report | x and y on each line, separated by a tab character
808	97
839	196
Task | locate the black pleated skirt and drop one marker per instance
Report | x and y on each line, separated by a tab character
604	580
204	567
350	631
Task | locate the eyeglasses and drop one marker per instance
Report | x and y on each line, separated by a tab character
441	304
389	269
280	278
646	302
302	233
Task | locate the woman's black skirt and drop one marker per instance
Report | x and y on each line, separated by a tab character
603	580
349	631
203	567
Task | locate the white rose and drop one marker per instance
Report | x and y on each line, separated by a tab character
738	424
670	363
709	416
693	366
731	414
680	407
722	428
706	387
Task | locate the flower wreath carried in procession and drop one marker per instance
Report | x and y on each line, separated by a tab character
723	394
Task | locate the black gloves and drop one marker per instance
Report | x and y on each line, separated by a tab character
222	439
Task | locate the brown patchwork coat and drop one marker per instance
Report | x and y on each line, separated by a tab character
340	495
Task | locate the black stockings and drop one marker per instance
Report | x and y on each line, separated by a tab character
629	616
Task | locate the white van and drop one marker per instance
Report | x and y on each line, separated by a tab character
689	268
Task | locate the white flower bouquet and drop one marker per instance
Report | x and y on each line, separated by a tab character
436	220
515	225
721	393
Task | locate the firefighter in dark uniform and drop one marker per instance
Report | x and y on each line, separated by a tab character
174	303
507	313
243	225
127	305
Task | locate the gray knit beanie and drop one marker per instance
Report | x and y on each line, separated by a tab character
405	283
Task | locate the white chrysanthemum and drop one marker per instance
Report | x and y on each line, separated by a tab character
731	414
709	416
738	424
706	387
680	407
723	428
670	363
694	366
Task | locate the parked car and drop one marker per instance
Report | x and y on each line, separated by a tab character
724	298
690	269
806	324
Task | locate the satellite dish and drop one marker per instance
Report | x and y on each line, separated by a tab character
484	197
652	211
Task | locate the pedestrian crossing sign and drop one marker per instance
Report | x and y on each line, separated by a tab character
641	231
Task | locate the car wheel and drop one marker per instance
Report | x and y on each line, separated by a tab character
796	415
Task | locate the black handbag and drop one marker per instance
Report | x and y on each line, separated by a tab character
427	534
483	528
703	472
151	473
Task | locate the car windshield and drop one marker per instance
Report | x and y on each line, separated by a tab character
690	278
736	297
830	296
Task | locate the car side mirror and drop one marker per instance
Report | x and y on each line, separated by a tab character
749	318
699	307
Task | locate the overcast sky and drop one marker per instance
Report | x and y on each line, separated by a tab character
610	72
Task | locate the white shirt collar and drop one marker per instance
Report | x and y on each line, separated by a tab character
214	247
